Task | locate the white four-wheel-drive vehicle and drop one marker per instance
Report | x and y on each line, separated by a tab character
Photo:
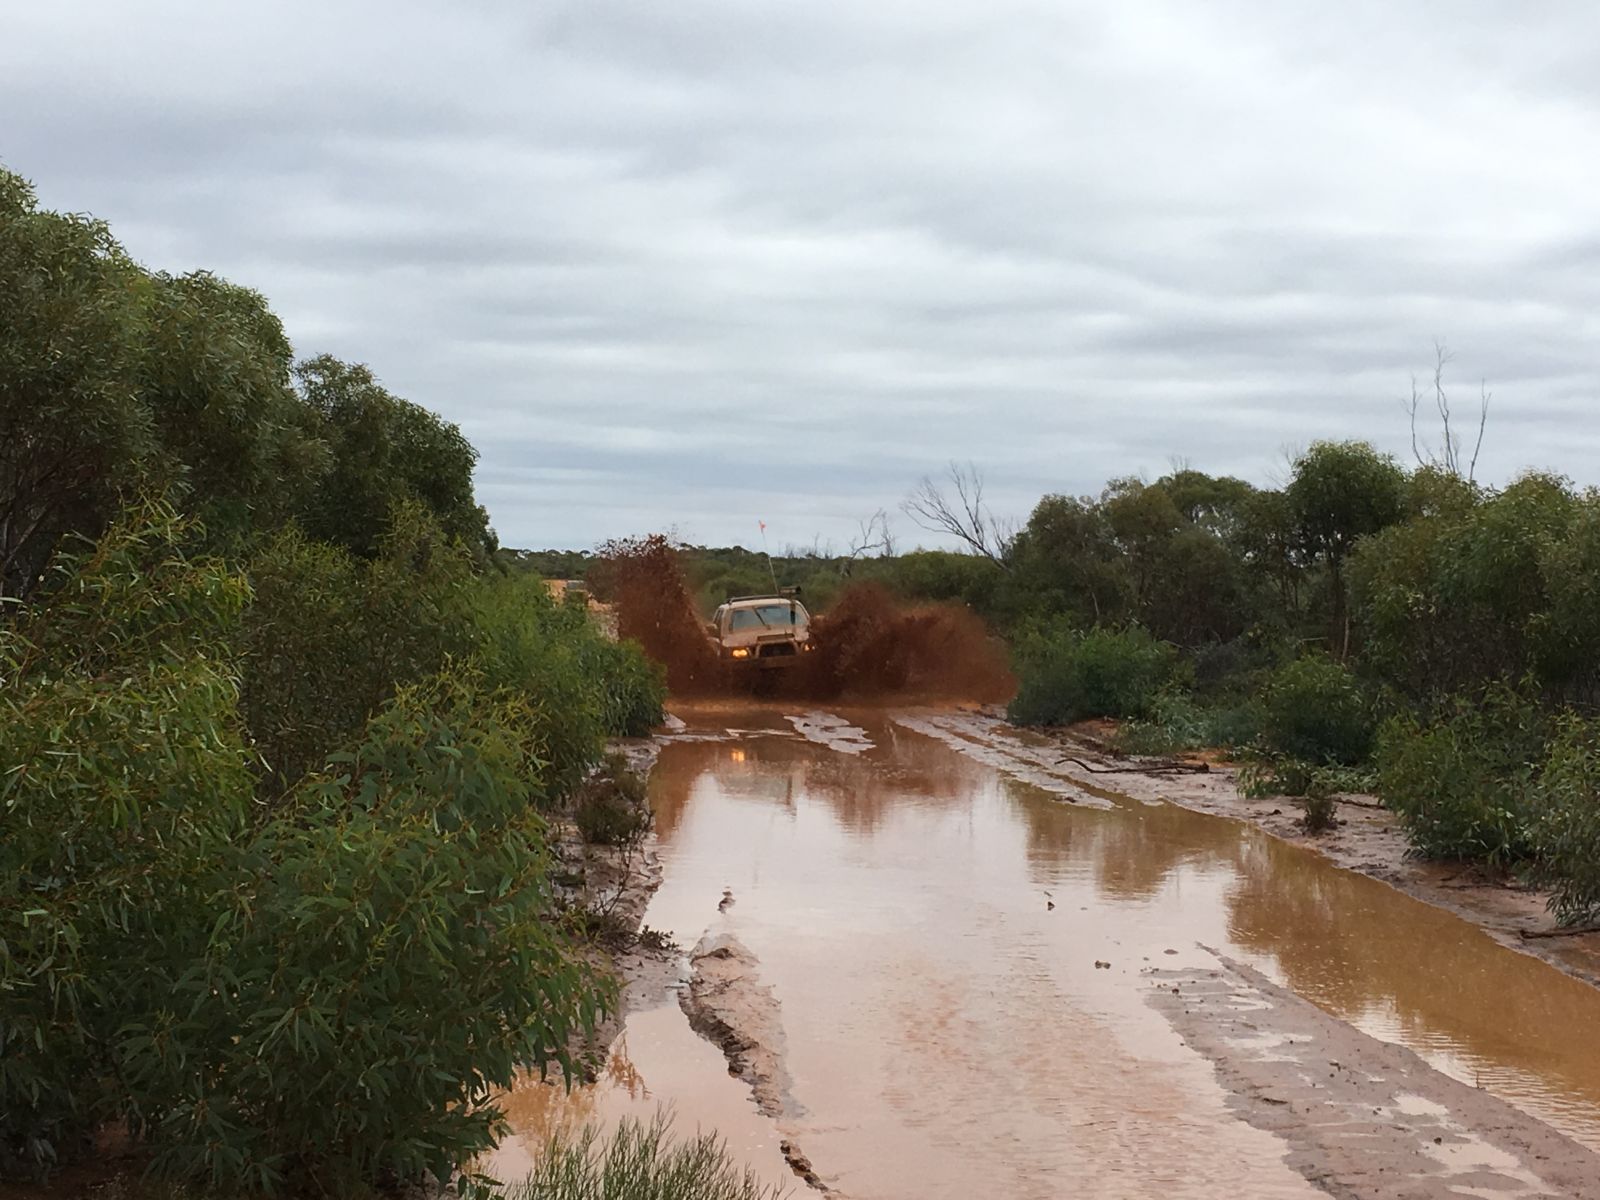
763	631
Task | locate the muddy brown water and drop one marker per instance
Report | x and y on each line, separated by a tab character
948	1034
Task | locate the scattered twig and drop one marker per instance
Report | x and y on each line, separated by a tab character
1378	804
1573	931
1168	768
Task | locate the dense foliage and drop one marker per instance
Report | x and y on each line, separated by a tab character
279	746
1460	778
1314	709
1066	675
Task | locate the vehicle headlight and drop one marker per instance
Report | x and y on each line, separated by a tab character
741	652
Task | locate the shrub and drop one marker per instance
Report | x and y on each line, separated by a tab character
640	1162
610	808
124	782
582	685
1314	709
944	575
1178	722
317	993
632	686
383	961
1067	676
1564	821
1318	806
1460	783
1270	775
329	636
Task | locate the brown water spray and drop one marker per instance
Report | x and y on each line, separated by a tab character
869	646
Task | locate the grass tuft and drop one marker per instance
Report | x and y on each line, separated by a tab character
640	1161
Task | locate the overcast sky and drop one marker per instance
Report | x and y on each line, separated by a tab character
692	264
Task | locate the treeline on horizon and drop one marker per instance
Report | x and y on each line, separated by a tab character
280	746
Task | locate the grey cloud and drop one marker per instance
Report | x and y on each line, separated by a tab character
694	264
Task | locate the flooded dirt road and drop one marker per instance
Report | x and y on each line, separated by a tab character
967	983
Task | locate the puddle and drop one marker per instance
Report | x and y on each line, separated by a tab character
931	924
645	1073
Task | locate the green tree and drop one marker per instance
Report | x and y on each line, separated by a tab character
1471	595
1066	562
384	450
1342	492
1315	710
328	637
383	960
74	431
232	433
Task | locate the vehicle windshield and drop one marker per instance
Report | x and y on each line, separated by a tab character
769	616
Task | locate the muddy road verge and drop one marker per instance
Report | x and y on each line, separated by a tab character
1362	1118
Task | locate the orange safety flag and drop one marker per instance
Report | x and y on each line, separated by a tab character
763	525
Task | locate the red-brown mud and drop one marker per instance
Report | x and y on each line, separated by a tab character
869	646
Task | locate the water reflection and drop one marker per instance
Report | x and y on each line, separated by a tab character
1401	969
930	929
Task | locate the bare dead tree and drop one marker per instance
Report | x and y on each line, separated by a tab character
1448	457
873	536
955	506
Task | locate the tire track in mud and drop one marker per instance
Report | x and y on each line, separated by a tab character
729	1006
834	732
1014	763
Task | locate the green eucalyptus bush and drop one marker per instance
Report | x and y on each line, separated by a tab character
1315	709
1178	721
583	686
1564	821
319	992
1064	675
386	957
125	782
328	637
1460	782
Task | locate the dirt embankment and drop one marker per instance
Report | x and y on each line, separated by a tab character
869	646
1362	1118
1368	839
613	884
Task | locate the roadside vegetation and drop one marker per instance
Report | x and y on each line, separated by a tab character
280	746
1365	627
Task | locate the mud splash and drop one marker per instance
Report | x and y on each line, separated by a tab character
869	646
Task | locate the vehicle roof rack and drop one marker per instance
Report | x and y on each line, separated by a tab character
789	593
